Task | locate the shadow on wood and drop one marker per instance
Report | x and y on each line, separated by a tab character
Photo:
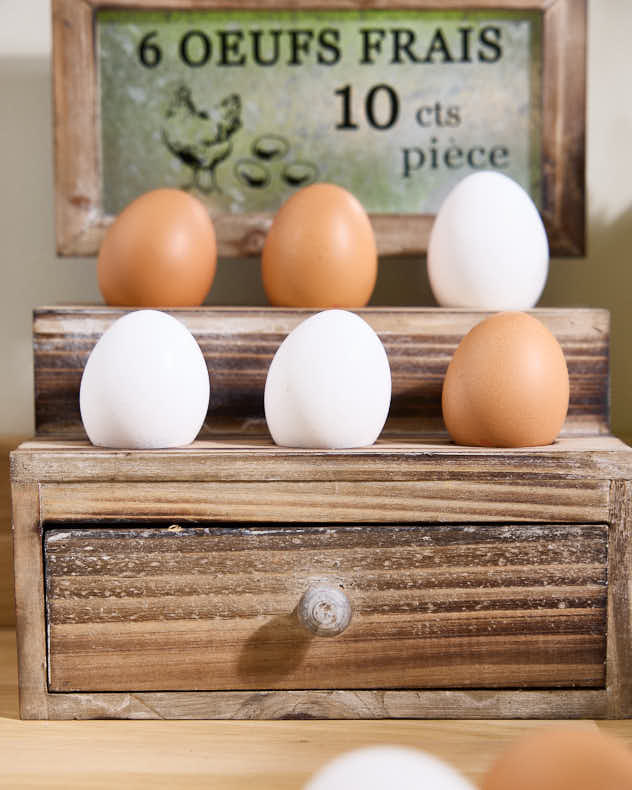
274	650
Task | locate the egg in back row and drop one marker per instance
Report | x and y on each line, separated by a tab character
488	249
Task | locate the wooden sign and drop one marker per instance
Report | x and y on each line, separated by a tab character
242	103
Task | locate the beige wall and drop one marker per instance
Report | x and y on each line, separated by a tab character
31	275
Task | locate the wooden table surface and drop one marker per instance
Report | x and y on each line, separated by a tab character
277	755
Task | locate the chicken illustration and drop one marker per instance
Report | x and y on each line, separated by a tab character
201	139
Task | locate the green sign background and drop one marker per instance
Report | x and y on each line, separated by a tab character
245	137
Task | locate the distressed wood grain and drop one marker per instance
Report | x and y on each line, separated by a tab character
336	704
564	124
29	601
336	502
377	705
347	4
239	343
7	598
214	608
77	162
620	602
250	459
9	708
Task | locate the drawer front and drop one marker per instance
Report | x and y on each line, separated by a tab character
215	607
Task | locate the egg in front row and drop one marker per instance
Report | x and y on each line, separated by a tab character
507	384
146	384
329	384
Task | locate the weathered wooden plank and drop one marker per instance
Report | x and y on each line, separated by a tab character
9	708
7	598
578	704
250	459
338	704
620	602
29	601
564	124
238	344
467	606
525	5
106	658
371	502
77	182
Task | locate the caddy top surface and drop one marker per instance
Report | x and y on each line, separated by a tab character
259	459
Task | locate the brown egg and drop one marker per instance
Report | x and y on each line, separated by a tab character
159	252
563	759
506	385
320	251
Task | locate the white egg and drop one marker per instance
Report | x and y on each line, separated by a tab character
329	384
488	248
145	385
387	768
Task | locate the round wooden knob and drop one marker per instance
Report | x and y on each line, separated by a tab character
324	610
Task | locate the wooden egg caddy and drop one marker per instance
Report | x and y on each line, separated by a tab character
481	583
197	583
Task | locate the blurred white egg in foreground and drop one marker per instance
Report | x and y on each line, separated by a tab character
145	385
329	384
387	768
488	248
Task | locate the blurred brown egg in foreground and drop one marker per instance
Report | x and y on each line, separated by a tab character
159	252
506	385
320	251
563	759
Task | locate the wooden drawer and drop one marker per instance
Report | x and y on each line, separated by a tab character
214	607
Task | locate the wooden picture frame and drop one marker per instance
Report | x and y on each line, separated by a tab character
81	220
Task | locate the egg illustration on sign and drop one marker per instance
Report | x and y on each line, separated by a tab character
329	384
145	384
488	248
386	767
